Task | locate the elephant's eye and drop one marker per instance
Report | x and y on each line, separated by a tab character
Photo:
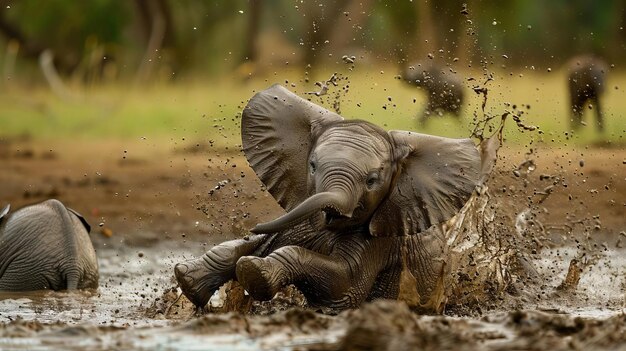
312	166
372	179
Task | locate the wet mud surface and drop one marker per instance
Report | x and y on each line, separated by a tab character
152	205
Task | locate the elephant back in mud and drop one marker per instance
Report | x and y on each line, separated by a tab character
444	89
364	209
586	77
46	246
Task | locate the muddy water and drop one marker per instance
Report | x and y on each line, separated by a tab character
601	291
128	284
127	311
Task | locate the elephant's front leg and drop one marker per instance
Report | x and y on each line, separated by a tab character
342	279
200	277
577	109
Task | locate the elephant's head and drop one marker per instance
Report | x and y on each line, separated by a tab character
416	75
341	173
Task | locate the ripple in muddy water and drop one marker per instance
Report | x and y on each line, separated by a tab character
129	284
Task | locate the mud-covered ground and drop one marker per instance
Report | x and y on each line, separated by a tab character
154	203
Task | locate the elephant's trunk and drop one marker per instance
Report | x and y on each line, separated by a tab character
330	202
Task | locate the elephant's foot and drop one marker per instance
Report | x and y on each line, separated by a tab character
199	278
260	278
197	281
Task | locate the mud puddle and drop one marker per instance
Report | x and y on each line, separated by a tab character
136	308
130	280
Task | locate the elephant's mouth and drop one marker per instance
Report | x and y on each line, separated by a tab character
332	215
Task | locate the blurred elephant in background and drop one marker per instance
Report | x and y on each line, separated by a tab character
361	206
444	89
46	246
586	77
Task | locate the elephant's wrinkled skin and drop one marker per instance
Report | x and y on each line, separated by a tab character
46	246
586	79
363	207
444	89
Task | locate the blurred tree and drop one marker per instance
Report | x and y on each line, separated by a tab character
52	24
250	55
410	29
167	38
209	35
250	51
156	23
448	25
320	20
348	29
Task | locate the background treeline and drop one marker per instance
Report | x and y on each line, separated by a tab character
144	40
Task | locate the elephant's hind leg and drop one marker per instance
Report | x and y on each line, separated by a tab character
200	277
599	115
340	280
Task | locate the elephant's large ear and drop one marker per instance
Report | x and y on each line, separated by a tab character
277	132
436	177
4	212
82	219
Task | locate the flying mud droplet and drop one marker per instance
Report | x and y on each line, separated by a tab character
619	243
525	168
324	85
106	232
464	10
348	59
572	278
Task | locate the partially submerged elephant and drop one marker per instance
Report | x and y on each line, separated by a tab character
46	246
586	78
444	89
364	207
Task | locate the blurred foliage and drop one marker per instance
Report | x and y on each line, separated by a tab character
67	26
174	38
115	61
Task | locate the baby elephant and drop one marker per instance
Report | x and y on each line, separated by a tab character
363	208
46	246
586	81
444	89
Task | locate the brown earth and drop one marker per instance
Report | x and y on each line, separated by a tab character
144	193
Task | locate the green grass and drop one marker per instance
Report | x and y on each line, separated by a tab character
211	110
